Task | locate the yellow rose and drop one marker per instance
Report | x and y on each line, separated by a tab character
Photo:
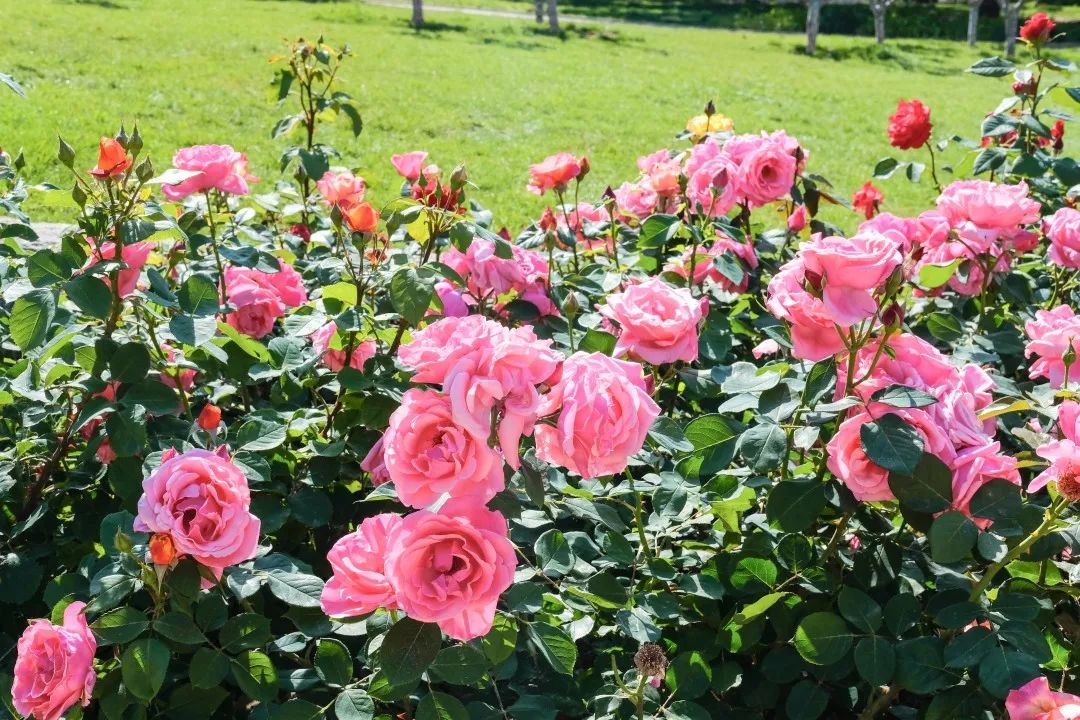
701	125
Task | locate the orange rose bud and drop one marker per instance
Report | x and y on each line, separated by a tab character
113	159
162	550
210	417
360	217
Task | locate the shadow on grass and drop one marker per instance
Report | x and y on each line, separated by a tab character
106	4
902	55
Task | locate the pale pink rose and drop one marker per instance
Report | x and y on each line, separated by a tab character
909	360
433	351
798	219
813	333
661	172
503	380
635	200
359	584
657	322
901	231
1063	230
553	173
374	464
409	165
200	499
341	188
868	481
169	376
450	567
257	309
334	359
428	454
1051	333
134	256
1036	701
714	188
973	467
1068	420
988	205
931	229
765	347
287	283
740	147
766	174
704	267
853	270
218	167
54	667
605	413
1064	458
647	163
485	272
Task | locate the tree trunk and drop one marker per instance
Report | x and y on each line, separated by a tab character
553	15
973	21
417	13
1012	27
539	7
813	24
879	9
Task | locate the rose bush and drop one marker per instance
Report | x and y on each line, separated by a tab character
304	446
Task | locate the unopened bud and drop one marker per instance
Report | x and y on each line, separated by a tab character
162	549
585	167
459	177
710	108
122	137
122	541
135	142
893	316
210	417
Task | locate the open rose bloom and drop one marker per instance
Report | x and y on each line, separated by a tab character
54	669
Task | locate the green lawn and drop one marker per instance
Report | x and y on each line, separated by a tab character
495	93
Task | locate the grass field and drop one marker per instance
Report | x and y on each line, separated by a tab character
495	93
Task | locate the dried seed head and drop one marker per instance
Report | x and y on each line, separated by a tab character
650	660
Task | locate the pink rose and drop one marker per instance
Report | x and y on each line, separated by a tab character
409	165
714	188
1051	334
257	309
429	454
54	669
658	323
1068	420
765	347
359	584
901	231
705	267
766	174
334	359
1036	701
216	167
553	173
1063	230
797	219
134	256
868	481
988	205
433	351
813	332
635	200
450	567
200	499
374	464
853	270
169	377
453	301
287	283
1064	458
605	412
341	188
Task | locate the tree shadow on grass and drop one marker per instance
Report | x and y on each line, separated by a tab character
106	4
908	56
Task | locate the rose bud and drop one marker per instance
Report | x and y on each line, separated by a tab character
162	550
360	217
210	417
585	167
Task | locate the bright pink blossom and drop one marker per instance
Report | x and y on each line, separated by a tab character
657	322
54	668
215	167
359	584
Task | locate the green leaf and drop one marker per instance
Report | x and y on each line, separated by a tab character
1003	669
260	434
460	665
119	626
188	702
764	446
179	627
154	395
992	67
31	317
555	645
143	666
806	701
928	489
411	291
903	397
859	609
892	444
553	554
795	504
997	500
885	168
990	158
198	295
440	706
658	230
256	675
333	662
875	660
296	589
47	267
245	632
689	675
130	362
208	668
669	434
192	330
920	665
822	638
408	650
354	704
968	648
952	535
90	295
820	382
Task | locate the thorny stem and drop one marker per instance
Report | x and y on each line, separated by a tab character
1048	523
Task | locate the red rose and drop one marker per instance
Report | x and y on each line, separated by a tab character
867	199
909	126
210	417
1037	29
